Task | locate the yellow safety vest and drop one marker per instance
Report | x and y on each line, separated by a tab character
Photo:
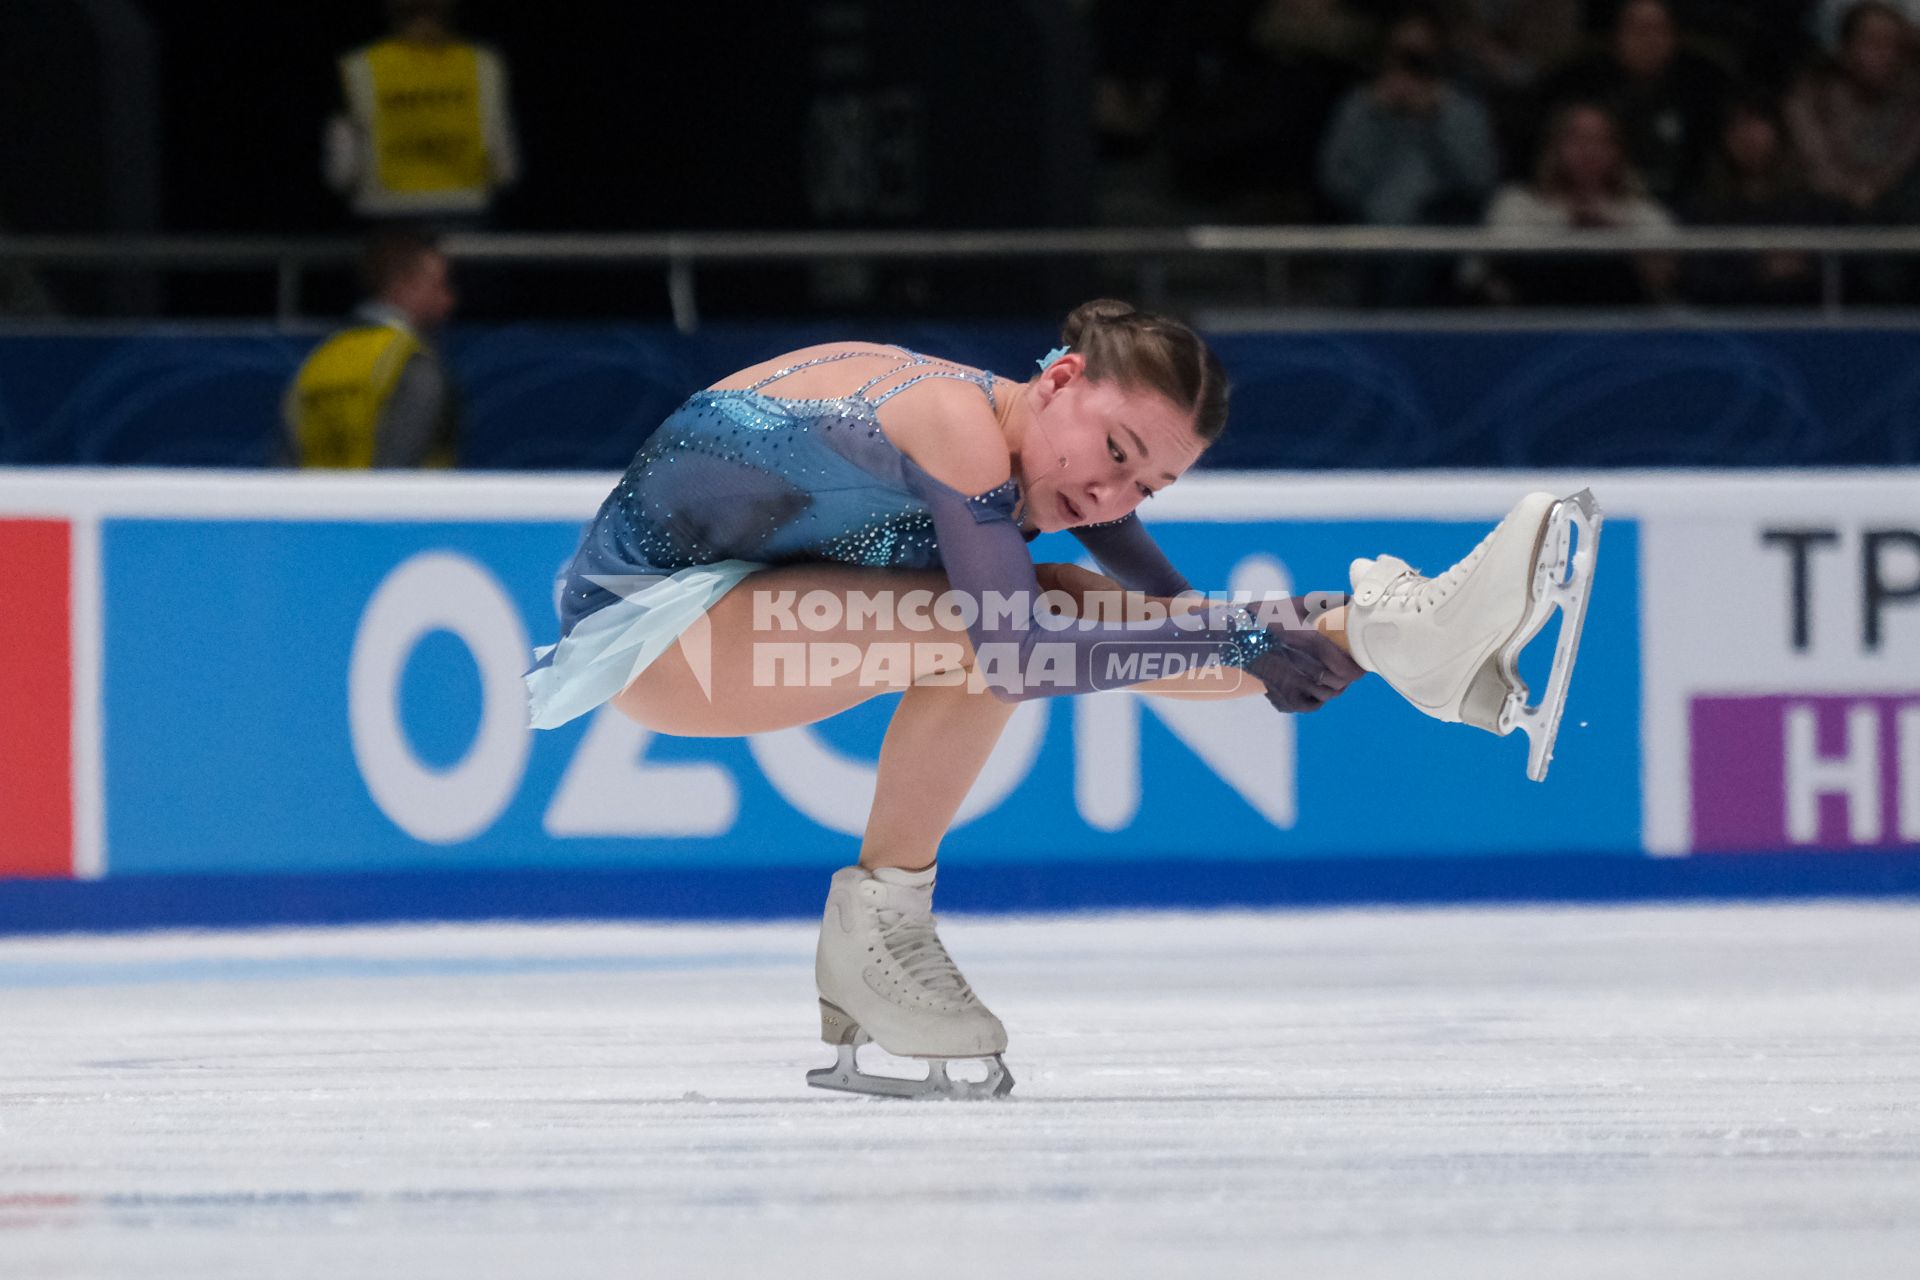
340	391
428	133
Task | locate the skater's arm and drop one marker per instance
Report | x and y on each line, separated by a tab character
1023	650
1127	553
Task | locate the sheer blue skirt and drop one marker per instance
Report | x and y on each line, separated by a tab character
606	649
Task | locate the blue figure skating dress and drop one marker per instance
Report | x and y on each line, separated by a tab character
733	482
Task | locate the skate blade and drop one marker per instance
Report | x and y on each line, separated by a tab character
1562	579
845	1076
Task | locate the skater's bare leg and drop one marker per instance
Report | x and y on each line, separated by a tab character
1333	625
745	692
941	734
937	742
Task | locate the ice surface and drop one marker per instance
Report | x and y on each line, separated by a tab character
1648	1092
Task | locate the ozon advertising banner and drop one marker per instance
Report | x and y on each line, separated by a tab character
304	695
224	674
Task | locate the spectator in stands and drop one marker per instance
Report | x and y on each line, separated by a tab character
1409	148
426	131
1583	181
1310	54
376	394
1513	43
1857	123
1506	48
1765	41
1666	99
1829	18
1755	181
1134	64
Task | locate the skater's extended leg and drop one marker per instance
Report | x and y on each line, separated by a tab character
747	669
1333	625
942	733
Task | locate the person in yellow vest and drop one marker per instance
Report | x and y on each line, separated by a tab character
376	394
426	133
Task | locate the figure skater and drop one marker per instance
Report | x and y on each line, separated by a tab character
878	504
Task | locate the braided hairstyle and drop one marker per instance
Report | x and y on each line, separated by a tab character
1142	350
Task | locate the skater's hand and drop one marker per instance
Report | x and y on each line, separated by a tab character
1303	669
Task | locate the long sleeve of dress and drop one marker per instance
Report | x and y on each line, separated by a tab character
1022	651
1127	553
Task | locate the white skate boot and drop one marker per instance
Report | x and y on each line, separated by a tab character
884	977
1450	645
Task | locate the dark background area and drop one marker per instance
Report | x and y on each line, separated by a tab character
640	116
727	115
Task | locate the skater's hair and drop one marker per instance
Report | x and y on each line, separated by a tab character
1142	350
392	255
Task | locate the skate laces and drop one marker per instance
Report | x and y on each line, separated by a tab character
911	941
1406	588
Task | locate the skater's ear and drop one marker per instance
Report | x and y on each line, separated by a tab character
1057	376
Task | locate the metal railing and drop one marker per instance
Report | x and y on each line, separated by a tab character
1148	250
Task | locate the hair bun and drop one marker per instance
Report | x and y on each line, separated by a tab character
1089	315
1146	351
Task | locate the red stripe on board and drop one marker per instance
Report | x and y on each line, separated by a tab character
36	699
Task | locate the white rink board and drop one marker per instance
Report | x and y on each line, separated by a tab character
1724	1092
1718	613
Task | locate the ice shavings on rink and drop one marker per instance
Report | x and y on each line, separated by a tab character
1728	1091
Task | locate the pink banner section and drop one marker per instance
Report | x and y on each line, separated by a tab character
36	700
1812	771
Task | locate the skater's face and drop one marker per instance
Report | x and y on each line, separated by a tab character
1098	449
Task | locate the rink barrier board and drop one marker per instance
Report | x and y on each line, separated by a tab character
1812	627
790	893
1478	392
250	704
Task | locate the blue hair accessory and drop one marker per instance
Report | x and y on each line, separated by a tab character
1046	362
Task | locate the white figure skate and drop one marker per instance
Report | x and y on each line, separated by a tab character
1450	645
884	978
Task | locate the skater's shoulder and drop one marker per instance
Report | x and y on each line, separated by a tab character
951	431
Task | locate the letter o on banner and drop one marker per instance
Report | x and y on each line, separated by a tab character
836	790
439	591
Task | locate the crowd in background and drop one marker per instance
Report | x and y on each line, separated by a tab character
1556	114
1518	114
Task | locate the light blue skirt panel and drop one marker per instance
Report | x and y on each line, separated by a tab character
609	647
